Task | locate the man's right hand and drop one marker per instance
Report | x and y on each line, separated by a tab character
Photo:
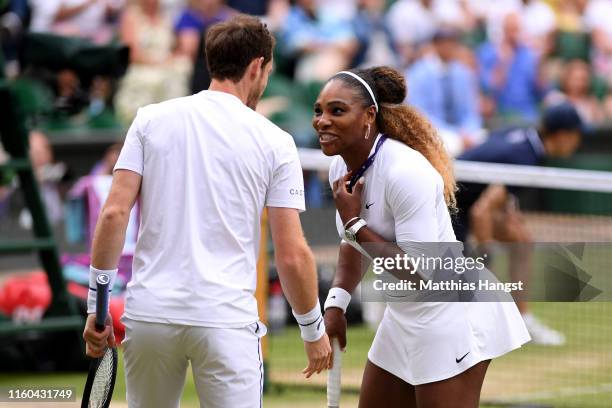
96	342
335	325
319	356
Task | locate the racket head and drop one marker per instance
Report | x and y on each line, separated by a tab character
101	380
334	376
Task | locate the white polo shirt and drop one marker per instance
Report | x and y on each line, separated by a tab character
209	165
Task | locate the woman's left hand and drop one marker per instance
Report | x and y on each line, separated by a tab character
348	204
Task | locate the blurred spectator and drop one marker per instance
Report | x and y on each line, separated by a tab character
252	7
13	20
575	87
106	165
509	74
276	14
70	96
538	17
195	20
446	90
492	14
83	195
78	18
173	8
570	15
341	9
414	22
322	43
88	19
155	73
48	174
376	46
598	16
540	24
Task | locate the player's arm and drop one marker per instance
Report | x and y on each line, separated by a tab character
492	199
351	267
297	272
294	260
109	238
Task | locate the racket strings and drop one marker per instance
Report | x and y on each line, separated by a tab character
102	382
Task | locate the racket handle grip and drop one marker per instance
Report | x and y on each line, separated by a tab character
102	283
334	377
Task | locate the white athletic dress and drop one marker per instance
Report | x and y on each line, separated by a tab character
425	342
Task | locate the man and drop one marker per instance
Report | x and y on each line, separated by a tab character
491	213
446	90
321	42
509	74
204	167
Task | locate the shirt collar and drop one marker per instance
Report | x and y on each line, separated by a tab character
220	94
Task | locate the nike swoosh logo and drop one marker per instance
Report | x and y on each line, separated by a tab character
369	205
458	360
333	297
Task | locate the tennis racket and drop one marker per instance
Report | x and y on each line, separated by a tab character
102	371
334	375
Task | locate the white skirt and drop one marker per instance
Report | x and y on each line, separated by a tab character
427	342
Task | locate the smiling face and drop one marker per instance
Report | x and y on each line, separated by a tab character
341	120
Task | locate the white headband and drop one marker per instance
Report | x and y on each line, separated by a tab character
364	83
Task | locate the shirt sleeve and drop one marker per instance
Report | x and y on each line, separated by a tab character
132	152
287	186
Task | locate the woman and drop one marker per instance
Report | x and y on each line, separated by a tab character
398	189
575	87
156	73
195	20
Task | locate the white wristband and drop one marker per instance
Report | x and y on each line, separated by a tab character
92	295
311	324
337	297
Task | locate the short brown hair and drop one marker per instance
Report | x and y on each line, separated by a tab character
233	44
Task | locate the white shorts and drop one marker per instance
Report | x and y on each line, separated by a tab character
226	363
427	342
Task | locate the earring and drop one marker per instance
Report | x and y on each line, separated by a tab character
367	135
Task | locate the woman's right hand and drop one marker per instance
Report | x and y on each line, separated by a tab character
335	325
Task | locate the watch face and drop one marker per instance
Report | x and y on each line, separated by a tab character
349	235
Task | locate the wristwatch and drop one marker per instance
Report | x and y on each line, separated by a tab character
351	233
